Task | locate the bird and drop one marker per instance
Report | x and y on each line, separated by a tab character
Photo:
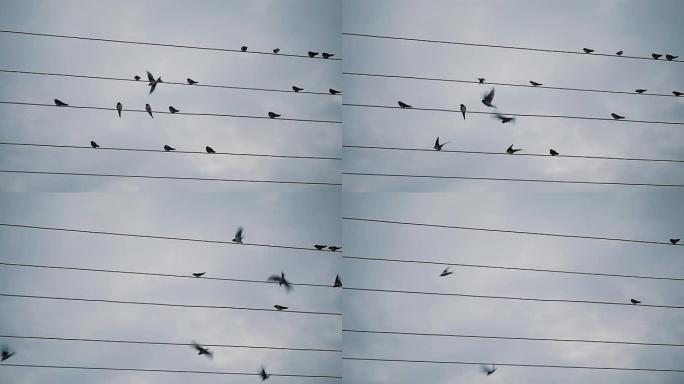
6	354
312	53
334	248
296	88
656	55
172	109
511	151
119	108
616	116
489	370
94	144
438	146
489	97
243	48
168	148
670	57
198	274
239	235
327	55
333	91
319	246
481	80
619	53
676	93
263	374
136	77
403	105
281	281
203	350
634	301
209	149
60	103
191	81
674	241
273	115
504	119
152	82
553	152
445	272
338	282
279	307
149	110
463	110
587	50
535	84
276	50
640	90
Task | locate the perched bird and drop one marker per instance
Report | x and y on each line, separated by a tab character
312	53
333	91
338	282
320	246
587	50
276	50
334	248
273	115
203	350
489	370
327	55
463	110
403	105
263	374
198	274
674	241
6	354
243	48
670	57
149	110
619	53
191	81
279	307
504	119
281	281
511	151
168	148
445	272
152	82
656	55
552	152
60	103
438	146
296	88
136	77
489	97
209	149
635	301
535	84
616	116
640	90
676	93
172	109
239	235
481	80
94	144
119	108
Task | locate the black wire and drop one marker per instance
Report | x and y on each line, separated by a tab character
168	304
160	44
512	364
507	84
504	47
510	231
513	338
168	177
505	154
169	113
165	370
168	343
174	151
518	114
514	268
165	82
224	242
513	179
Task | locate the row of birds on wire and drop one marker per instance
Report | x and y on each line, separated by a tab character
655	56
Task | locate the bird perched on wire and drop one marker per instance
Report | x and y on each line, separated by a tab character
481	80
94	144
168	148
152	82
191	81
6	353
60	103
173	110
338	282
243	48
552	152
198	274
263	374
438	146
504	119
273	115
670	57
280	279
634	301
239	235
276	50
209	149
403	105
640	90
327	55
148	108
616	116
489	97
535	84
279	307
296	88
119	108
333	91
203	350
656	55
312	53
674	241
511	150
488	370
445	272
676	93
334	248
320	246
463	110
619	53
587	50
136	78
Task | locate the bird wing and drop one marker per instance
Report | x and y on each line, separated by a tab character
150	77
274	278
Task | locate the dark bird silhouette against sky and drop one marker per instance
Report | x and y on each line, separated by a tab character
191	81
320	246
239	235
656	55
338	282
511	150
281	280
488	99
674	241
640	90
119	108
173	110
209	149
438	146
296	88
6	353
504	119
60	103
243	48
481	80
273	115
148	108
553	152
263	374
670	57
152	82
276	50
616	116
312	53
327	55
676	93
94	144
619	53
198	274
535	84
203	350
403	105
168	148
634	301
333	91
334	248
489	370
463	110
136	78
279	307
587	50
445	272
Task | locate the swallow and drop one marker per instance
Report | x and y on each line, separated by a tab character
239	235
243	48
152	83
511	151
445	272
296	88
656	55
489	370
149	110
504	119
327	55
438	146
481	80
136	77
203	350
640	90
94	144
6	354
333	91
338	282
263	374
619	53
553	152
276	50
676	93
670	57
119	108
281	281
487	100
279	307
273	115
312	53
168	148
209	149
191	81
587	50
463	110
616	116
633	301
334	248
198	274
172	109
535	84
60	103
674	241
319	246
403	105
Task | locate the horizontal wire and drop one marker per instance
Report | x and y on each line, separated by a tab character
165	82
174	151
503	47
166	177
167	304
512	364
518	114
164	370
450	264
157	237
506	154
507	84
514	179
510	231
167	343
169	113
168	45
514	338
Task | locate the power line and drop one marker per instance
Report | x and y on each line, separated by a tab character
168	304
169	113
165	370
514	268
513	179
518	114
503	47
507	84
510	231
514	338
505	154
117	341
174	151
157	237
165	82
168	177
168	45
512	364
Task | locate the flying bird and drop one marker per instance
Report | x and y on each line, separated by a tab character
296	88
552	152
489	370
481	80
263	374
276	50
504	119
333	91
587	50
670	57
119	108
243	48
152	82
136	77
279	307
487	100
511	150
209	149
640	90
634	301
619	53
616	116
273	115
60	103
674	241
6	354
168	148
94	144
239	235
327	55
676	93
203	350
338	282
535	84
312	53
334	248
439	146
172	109
149	110
656	55
403	105
198	274
445	272
463	110
281	281
191	81
320	246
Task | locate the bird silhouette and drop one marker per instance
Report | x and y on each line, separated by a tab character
489	97
327	55
616	116
203	350
191	81
674	241
676	93
656	55
463	110
634	301
338	282
334	248
136	77
168	148
535	84
94	144
552	152
239	235
60	103
504	119
640	90
403	105
119	108
333	91
511	150
273	115
243	48
670	57
481	80
319	246
172	109
439	146
587	50
312	53
263	374
296	88
149	110
279	307
276	50
619	53
280	279
445	272
152	83
6	353
198	274
209	149
488	370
